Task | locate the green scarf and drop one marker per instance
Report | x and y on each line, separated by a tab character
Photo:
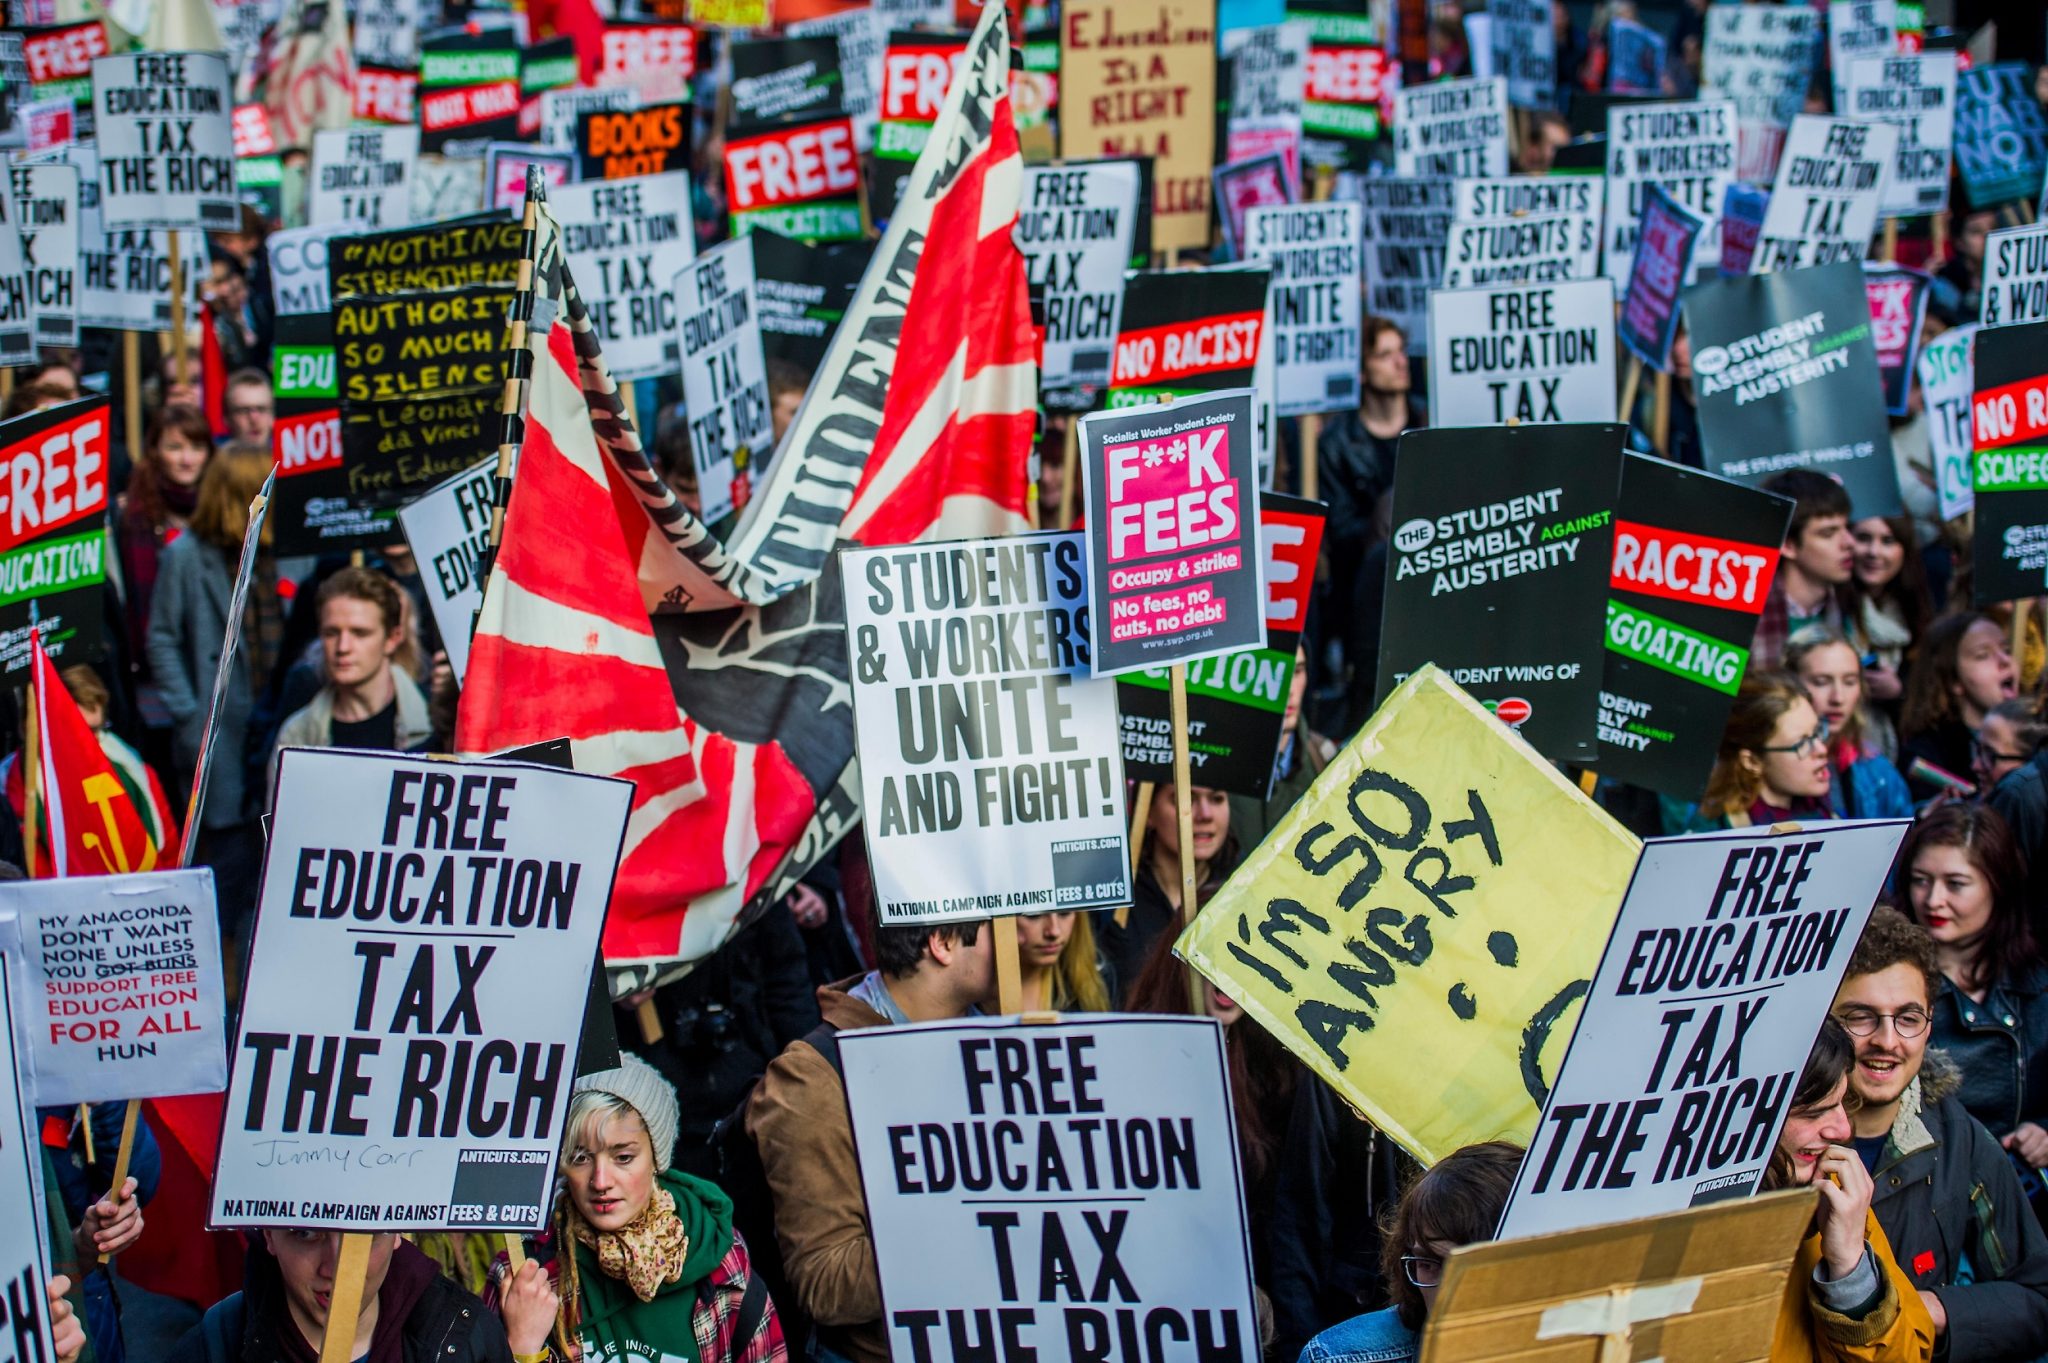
616	1324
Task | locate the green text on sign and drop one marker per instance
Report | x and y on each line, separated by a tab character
1665	644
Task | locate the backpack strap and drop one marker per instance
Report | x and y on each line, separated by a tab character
222	1328
824	1039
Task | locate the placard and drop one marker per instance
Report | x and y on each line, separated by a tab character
53	543
1268	91
120	985
1245	185
1785	375
1455	128
468	89
1316	299
60	59
2009	471
46	207
387	32
626	239
449	528
17	342
362	175
1524	230
124	278
1524	51
725	374
508	165
22	1205
1351	83
386	96
990	766
1406	225
2016	275
804	292
1761	57
1687	149
786	78
917	68
1173	558
1436	1001
862	38
1635	58
801	180
407	1039
1917	95
561	111
1117	1153
298	268
618	144
2001	142
1858	29
1721	967
1076	226
166	141
658	59
1824	206
1522	352
1947	368
1898	307
1667	233
1186	332
1694	556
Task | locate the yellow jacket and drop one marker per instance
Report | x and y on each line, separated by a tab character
1897	1330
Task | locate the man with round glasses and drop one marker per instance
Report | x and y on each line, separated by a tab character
1946	1194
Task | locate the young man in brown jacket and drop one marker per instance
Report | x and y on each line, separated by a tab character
797	1119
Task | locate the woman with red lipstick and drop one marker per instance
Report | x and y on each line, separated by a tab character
1773	762
1965	880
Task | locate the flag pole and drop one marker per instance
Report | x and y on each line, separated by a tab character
1184	816
518	372
179	342
345	1306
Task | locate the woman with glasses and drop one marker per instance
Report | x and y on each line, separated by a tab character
1963	878
1866	785
1457	1201
1961	673
1773	761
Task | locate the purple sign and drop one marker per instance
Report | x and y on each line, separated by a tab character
1649	315
1898	305
1242	186
1742	221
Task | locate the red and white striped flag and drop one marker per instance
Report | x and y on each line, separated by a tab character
714	676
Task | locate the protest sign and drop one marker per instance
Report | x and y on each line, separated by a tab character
1438	1006
1350	83
657	59
1635	58
1076	225
120	984
1183	332
989	760
254	135
2009	470
387	33
1693	560
449	527
1524	51
1946	372
1917	95
362	175
507	165
166	141
1824	206
1237	702
1523	352
1742	219
561	111
625	240
862	38
2001	142
1172	512
46	207
1720	969
22	1205
17	343
468	89
1406	225
916	70
1898	305
803	292
1785	377
1452	128
1497	568
799	179
49	123
1145	86
786	78
1761	57
1686	149
1115	1152
1246	185
1268	92
407	1038
1316	299
1858	29
59	59
53	545
386	96
725	373
618	144
544	67
2016	276
1524	230
298	268
124	278
1666	234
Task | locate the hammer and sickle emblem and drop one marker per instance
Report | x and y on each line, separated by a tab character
102	788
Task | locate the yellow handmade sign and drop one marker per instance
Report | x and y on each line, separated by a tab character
1422	927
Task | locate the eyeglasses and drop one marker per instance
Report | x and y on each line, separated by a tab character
1991	754
1908	1022
1423	1270
1817	739
246	409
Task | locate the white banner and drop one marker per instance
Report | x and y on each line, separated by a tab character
725	374
2016	275
46	208
124	278
1075	227
1268	91
1406	225
1524	230
1688	148
1917	95
1524	49
1761	57
163	124
1452	128
1067	1186
1947	371
1718	973
625	240
416	987
1859	29
23	1213
1530	353
363	176
119	979
990	764
1824	206
298	267
448	527
16	322
1316	300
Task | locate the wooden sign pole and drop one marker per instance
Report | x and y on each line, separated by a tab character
1631	381
131	365
1889	252
1009	971
1184	815
1070	471
179	343
1311	433
345	1307
128	1121
1660	417
2019	628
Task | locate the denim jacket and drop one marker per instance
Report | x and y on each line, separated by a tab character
1377	1337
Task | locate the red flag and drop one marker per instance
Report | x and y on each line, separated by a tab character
213	374
577	20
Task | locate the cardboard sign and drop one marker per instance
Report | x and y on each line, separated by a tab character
1524	230
469	88
786	78
1526	352
1236	702
656	59
253	134
386	96
1456	128
298	268
991	776
1686	149
1173	555
1858	29
1145	85
2016	276
166	141
124	278
1742	219
47	213
1720	969
1898	305
619	144
1497	569
408	1030
1947	369
22	1253
1667	233
1316	298
1350	83
916	70
801	180
1406	225
1247	185
2009	433
120	985
2001	142
1824	206
1184	333
862	37
1693	560
17	343
1761	57
725	373
363	175
803	293
561	111
53	545
1635	58
1785	375
1917	95
1525	51
49	123
449	528
1268	92
626	240
1076	226
1437	1000
387	33
60	59
1115	1151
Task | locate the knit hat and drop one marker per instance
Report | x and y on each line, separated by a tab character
653	1097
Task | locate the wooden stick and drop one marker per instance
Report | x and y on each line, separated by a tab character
131	362
1009	972
1631	381
345	1307
630	403
2019	628
649	1018
6	383
32	808
1141	810
1311	432
1938	240
1660	416
1070	465
1889	251
515	1254
128	1122
180	344
85	1120
1588	780
1184	816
